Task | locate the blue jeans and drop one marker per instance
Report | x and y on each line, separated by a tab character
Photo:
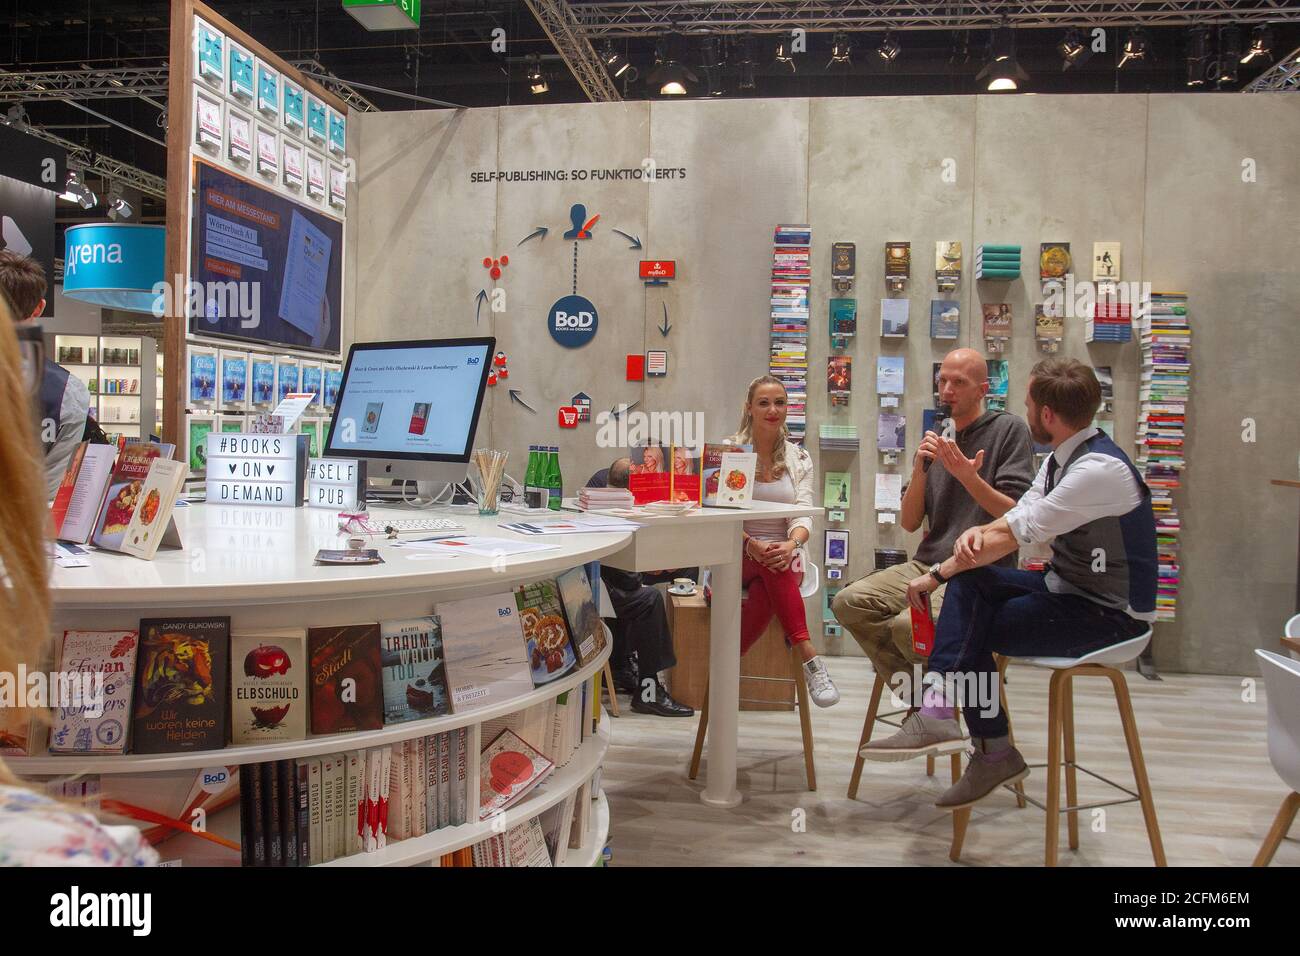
1011	612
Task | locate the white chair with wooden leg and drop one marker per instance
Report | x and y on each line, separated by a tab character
807	587
1060	738
1282	680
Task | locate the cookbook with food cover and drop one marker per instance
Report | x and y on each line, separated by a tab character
509	768
546	634
578	596
151	523
347	690
268	685
123	492
181	685
728	475
97	716
415	670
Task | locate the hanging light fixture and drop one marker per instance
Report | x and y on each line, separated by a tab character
1002	72
889	48
1071	47
841	50
783	55
615	62
537	81
1135	46
1229	54
670	77
1261	43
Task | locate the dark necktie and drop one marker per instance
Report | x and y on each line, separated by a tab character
1052	466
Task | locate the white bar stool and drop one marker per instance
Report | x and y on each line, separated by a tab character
1060	735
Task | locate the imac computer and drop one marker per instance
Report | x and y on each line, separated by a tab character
410	409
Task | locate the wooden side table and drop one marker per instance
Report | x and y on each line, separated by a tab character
768	661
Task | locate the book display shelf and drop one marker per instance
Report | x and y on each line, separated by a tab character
116	371
256	567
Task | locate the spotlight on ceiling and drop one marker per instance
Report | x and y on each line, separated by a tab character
1261	44
841	50
671	78
1229	54
76	190
783	56
118	207
537	81
1002	72
1072	47
615	62
1198	54
889	48
1135	46
15	116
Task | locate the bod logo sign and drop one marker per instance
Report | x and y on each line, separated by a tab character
573	321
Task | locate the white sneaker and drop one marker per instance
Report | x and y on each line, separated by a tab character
820	686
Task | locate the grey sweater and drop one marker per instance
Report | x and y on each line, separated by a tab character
1008	467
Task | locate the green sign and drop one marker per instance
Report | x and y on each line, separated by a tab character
385	14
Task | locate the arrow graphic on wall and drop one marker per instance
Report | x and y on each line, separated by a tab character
663	329
514	397
539	231
635	240
617	412
480	299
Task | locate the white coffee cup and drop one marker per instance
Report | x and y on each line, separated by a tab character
683	584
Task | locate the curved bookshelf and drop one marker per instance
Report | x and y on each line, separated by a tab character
597	836
562	782
307	747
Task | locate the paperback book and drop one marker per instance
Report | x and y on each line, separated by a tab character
486	661
837	491
181	691
546	634
945	319
80	493
268	683
891	432
151	521
415	672
509	768
104	662
889	374
123	494
894	317
727	475
579	601
346	678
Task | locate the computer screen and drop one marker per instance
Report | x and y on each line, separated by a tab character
411	401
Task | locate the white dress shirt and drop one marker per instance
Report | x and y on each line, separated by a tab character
1096	486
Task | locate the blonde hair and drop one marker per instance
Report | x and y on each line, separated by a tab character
745	433
24	517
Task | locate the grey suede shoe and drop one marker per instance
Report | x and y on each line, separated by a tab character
919	736
982	777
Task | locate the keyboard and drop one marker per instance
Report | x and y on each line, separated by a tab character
421	524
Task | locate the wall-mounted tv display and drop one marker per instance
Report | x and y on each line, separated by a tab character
265	268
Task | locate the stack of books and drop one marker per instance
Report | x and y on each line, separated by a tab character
1165	342
594	499
791	278
1111	322
997	262
838	437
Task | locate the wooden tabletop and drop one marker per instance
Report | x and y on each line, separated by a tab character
1292	642
1286	482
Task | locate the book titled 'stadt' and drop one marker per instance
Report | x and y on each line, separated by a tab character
268	686
181	685
346	679
95	720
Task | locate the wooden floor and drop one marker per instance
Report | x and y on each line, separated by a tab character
1206	753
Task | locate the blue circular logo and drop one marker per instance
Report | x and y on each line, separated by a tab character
573	321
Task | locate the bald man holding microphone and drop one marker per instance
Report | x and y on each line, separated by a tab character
957	483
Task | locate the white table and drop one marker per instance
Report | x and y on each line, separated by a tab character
709	537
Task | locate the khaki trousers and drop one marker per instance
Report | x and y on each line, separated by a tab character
874	609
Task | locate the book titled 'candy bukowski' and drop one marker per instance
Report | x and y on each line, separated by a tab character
347	690
180	689
268	685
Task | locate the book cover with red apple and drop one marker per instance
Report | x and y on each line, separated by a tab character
268	685
347	689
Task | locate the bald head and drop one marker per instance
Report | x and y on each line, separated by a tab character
963	383
618	473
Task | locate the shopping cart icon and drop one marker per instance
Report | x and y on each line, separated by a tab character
568	416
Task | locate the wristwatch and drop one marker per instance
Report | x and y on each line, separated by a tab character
934	573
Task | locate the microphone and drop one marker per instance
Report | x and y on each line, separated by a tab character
943	411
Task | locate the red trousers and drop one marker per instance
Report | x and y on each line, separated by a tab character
770	592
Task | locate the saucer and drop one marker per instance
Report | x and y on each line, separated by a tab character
681	592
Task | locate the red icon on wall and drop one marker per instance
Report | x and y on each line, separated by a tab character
493	266
499	369
568	416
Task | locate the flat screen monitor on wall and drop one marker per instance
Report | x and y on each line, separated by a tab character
411	408
267	269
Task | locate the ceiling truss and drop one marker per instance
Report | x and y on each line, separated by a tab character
1282	77
651	18
571	42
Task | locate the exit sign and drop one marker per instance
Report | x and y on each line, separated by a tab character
658	268
385	14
